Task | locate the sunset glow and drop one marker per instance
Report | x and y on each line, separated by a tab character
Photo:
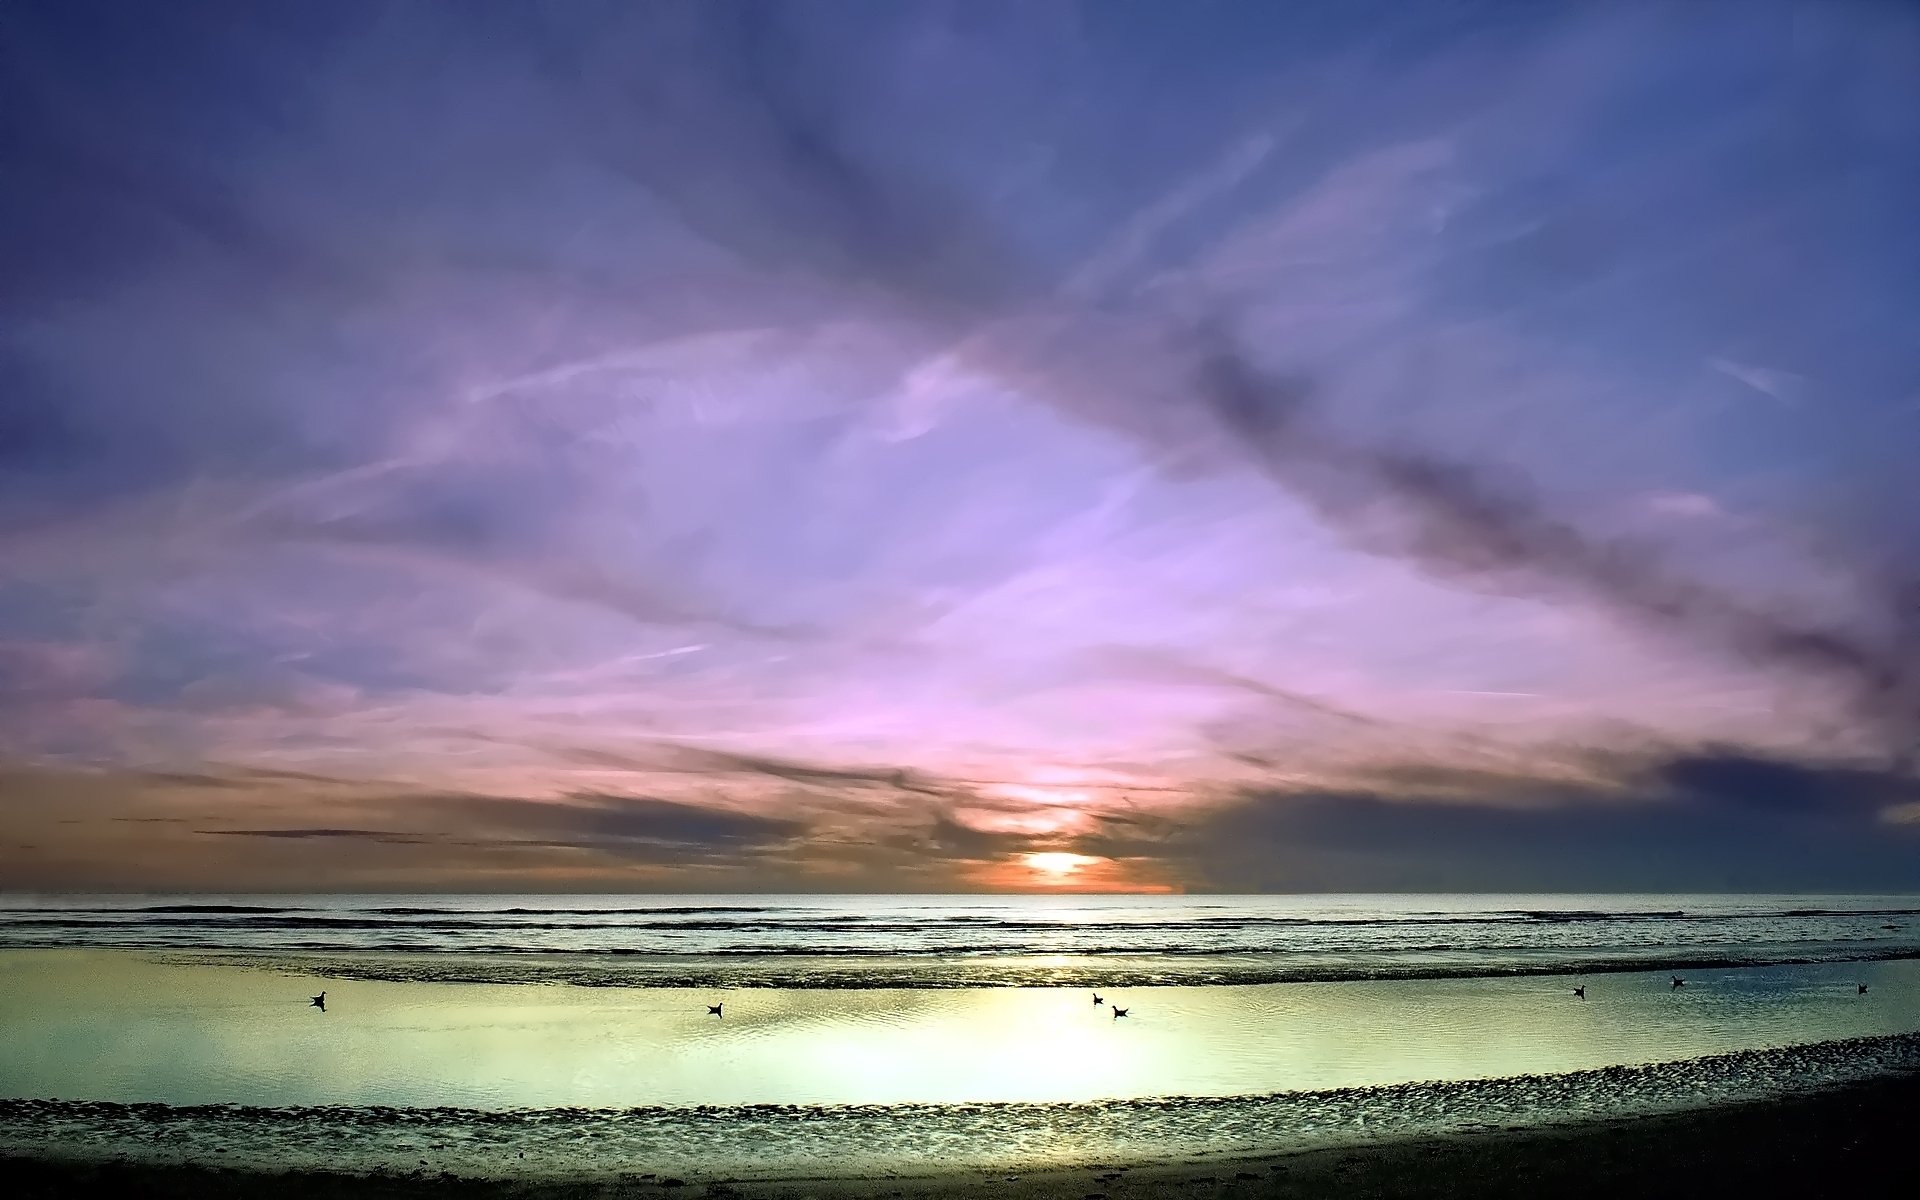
1058	865
1371	448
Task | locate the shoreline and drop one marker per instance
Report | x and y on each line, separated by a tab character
773	1146
404	1086
1842	1136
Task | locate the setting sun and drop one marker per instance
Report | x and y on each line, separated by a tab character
1057	863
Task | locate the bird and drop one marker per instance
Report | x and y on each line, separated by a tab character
1862	991
713	1010
1118	1013
1679	982
1581	991
1097	1000
319	1002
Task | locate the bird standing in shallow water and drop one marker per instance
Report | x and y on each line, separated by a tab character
319	1002
1118	1013
1581	991
713	1010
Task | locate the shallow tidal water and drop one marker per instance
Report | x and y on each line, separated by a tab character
133	1027
559	1036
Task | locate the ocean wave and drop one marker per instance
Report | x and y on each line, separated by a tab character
813	921
880	971
931	942
191	908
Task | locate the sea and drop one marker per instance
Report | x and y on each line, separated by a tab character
570	1034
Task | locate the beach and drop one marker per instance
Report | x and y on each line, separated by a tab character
529	1044
1827	1143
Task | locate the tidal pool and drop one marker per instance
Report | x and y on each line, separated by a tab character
133	1027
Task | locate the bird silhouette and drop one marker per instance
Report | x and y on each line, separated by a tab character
1097	1000
1862	991
319	1002
1118	1013
1678	982
1581	991
713	1010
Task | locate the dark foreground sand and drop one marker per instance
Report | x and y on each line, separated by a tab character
1855	1139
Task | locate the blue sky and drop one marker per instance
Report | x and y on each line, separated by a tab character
844	446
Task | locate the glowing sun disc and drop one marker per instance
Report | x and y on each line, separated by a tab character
1057	862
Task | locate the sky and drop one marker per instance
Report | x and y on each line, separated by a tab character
859	446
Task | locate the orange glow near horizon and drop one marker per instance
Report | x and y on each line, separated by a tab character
1064	871
1059	865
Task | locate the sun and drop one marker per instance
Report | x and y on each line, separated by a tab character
1058	864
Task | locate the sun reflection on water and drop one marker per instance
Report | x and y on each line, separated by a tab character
123	1026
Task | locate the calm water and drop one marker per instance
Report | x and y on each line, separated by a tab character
456	1026
113	1026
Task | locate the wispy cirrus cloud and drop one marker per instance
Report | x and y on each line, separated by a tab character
667	417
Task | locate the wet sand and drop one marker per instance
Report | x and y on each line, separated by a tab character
187	1066
1840	1140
